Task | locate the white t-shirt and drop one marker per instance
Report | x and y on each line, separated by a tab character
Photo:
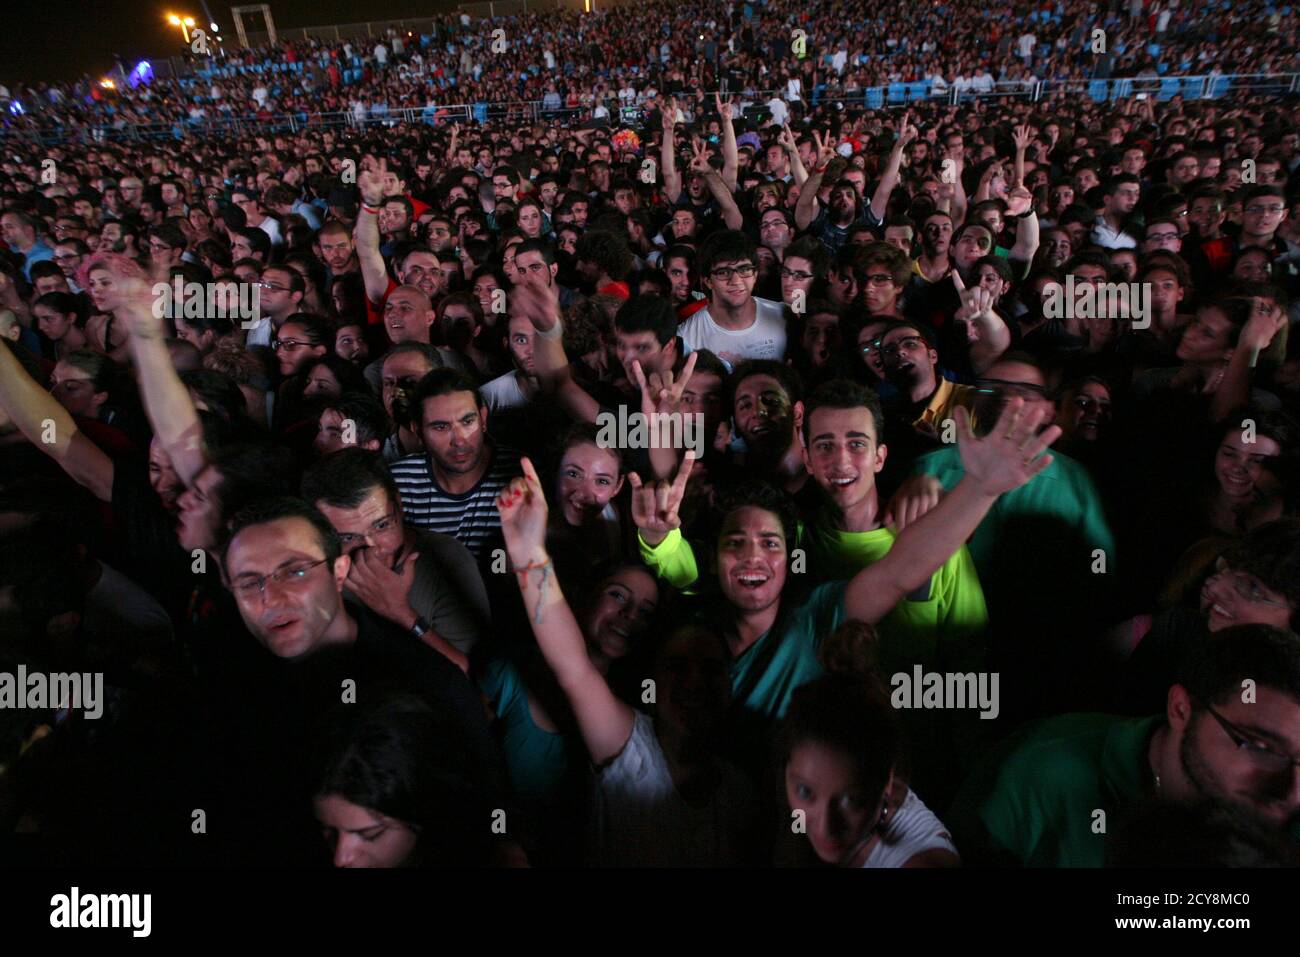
764	339
780	112
640	820
913	829
503	392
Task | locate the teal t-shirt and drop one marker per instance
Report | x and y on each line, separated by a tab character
536	760
1036	802
785	657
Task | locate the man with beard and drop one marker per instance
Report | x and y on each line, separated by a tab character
337	251
1038	802
287	571
920	414
774	635
452	486
424	582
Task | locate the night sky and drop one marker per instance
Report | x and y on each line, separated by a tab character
63	39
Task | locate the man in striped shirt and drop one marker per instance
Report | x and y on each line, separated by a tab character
451	486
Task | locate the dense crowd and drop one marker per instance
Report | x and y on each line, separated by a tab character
743	486
601	62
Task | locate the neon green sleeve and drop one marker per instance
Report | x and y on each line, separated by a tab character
673	560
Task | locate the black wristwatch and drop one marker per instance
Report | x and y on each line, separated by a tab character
420	627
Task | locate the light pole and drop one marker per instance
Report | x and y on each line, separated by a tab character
184	23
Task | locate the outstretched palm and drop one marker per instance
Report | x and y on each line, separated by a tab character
1012	452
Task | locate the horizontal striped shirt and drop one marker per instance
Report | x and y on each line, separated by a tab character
469	516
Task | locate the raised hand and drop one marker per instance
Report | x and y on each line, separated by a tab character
668	115
663	393
976	302
655	505
787	140
1265	322
724	108
1019	200
370	181
382	588
1022	136
1012	452
540	304
699	157
523	511
915	496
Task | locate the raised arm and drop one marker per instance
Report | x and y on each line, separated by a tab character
829	167
49	427
791	147
668	152
988	334
167	402
1022	137
541	305
661	397
605	721
889	178
1008	457
717	188
1021	203
730	156
1233	392
366	233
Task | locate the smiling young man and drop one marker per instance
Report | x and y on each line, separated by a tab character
736	325
775	636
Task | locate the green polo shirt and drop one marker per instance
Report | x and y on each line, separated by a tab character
1035	803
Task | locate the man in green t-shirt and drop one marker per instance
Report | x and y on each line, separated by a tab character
774	642
1230	734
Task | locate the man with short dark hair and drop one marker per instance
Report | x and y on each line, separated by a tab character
452	486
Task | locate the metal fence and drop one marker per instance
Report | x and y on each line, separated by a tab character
1215	86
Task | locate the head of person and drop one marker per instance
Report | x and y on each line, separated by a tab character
618	611
1162	234
280	292
535	263
806	261
302	338
283	563
394	787
1121	193
336	246
910	357
678	263
882	272
843	449
328	376
350	341
55	314
81	381
416	265
819	335
703	393
1236	748
691	669
1212	335
237	475
972	242
764	397
353	418
728	265
1085	411
645	331
838	751
936	233
401	371
1257	580
451	417
354	490
756	525
1262	211
1016	375
589	475
408	315
1125	261
1246	442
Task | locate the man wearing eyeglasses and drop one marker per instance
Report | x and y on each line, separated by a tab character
1229	734
926	399
286	568
280	293
736	325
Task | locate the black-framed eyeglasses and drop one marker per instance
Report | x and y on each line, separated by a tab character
1274	762
879	279
1023	390
378	528
279	344
744	271
294	574
797	274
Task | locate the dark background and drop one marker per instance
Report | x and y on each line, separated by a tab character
57	40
